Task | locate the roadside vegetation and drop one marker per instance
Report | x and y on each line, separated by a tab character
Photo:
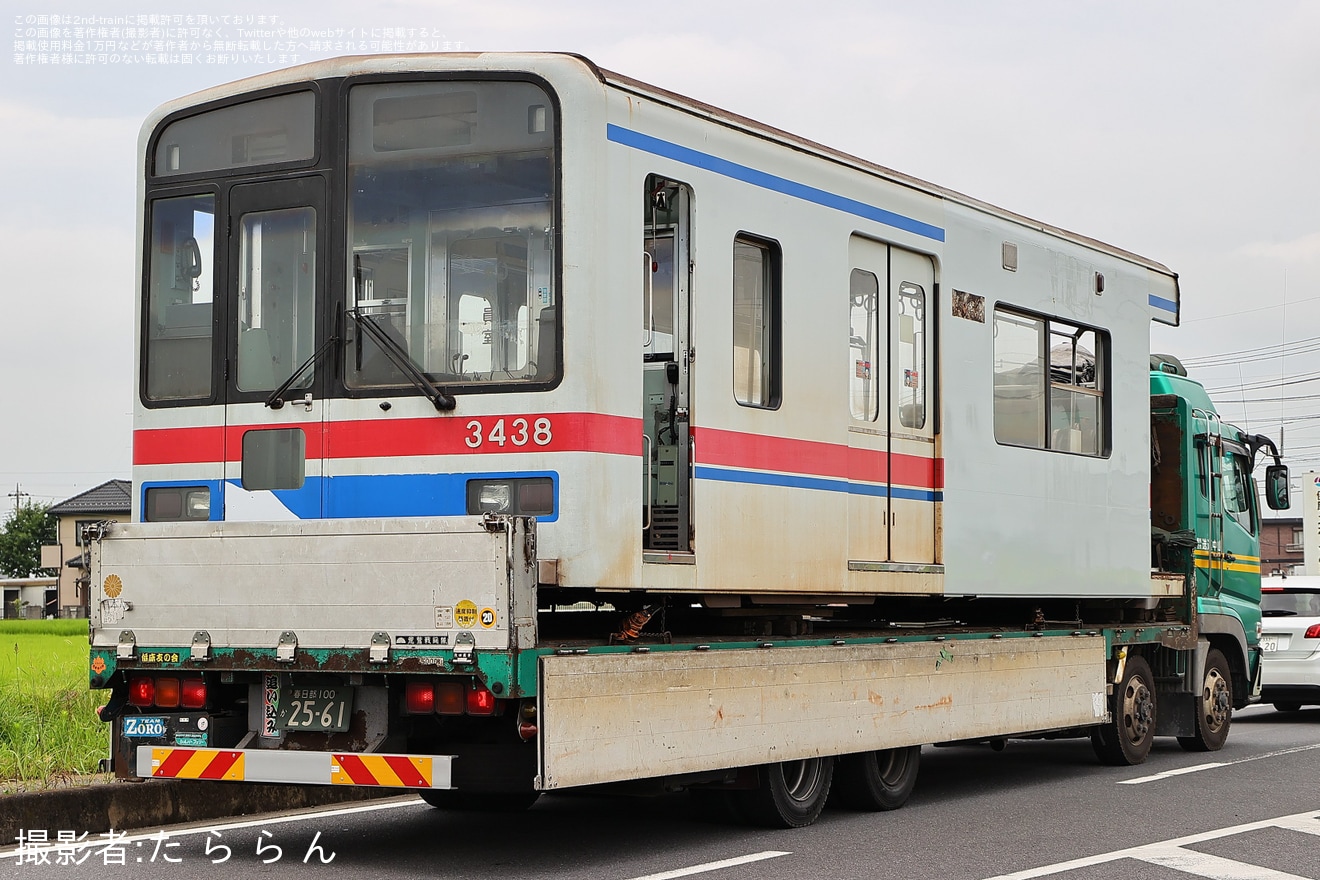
49	734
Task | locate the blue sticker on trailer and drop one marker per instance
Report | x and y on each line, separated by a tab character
143	725
697	159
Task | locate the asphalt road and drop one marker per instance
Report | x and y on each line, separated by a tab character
1044	809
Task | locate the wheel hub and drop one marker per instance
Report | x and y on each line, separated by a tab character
1215	700
1138	711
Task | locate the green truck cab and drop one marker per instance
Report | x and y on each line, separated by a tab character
1206	523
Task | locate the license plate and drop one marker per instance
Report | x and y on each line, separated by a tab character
326	709
1269	644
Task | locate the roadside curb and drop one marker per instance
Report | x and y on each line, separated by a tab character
125	805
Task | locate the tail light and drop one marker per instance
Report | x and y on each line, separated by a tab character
419	698
480	701
167	693
1313	631
141	691
450	697
527	721
193	694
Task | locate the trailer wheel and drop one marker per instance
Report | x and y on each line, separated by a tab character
480	802
1127	737
880	780
1287	707
791	794
1214	708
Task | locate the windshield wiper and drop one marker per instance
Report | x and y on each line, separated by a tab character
400	358
276	399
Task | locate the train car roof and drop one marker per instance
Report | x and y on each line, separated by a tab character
350	65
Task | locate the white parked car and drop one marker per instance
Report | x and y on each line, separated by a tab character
1290	642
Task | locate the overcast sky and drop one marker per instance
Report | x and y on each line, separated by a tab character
1185	131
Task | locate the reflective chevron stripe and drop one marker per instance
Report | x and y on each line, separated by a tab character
311	768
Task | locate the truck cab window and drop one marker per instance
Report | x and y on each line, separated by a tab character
1239	491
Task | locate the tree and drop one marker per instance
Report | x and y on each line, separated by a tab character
27	528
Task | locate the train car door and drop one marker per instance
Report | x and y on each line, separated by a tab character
276	361
667	530
891	436
913	487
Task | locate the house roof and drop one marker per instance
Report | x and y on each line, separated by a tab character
112	496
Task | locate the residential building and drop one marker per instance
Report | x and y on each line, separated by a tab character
113	501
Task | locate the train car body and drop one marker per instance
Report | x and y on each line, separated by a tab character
436	349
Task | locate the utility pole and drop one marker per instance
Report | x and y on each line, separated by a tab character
18	495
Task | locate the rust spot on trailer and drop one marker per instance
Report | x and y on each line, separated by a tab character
874	699
943	702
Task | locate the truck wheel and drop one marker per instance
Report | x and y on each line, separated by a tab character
1287	707
480	802
1127	737
1214	708
791	794
880	780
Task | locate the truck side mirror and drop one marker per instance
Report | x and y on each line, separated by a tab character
1276	487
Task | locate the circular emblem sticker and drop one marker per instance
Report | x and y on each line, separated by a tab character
113	586
488	617
465	614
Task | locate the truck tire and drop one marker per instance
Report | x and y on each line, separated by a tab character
1287	707
480	802
1127	737
1214	707
880	780
791	794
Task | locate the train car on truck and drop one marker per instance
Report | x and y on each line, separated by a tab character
505	425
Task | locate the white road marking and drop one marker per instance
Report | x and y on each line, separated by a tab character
102	840
715	866
1172	853
1195	767
1167	773
1205	865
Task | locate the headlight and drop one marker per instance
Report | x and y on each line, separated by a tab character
494	497
523	496
197	503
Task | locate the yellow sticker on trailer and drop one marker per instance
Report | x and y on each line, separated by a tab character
465	614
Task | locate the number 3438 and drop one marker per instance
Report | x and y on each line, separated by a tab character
512	432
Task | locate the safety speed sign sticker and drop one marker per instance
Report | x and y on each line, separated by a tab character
487	617
465	614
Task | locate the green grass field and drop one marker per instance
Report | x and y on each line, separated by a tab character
48	727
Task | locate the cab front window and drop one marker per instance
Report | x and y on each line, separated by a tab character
451	198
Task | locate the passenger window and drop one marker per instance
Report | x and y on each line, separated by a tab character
864	294
756	316
910	349
1049	390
